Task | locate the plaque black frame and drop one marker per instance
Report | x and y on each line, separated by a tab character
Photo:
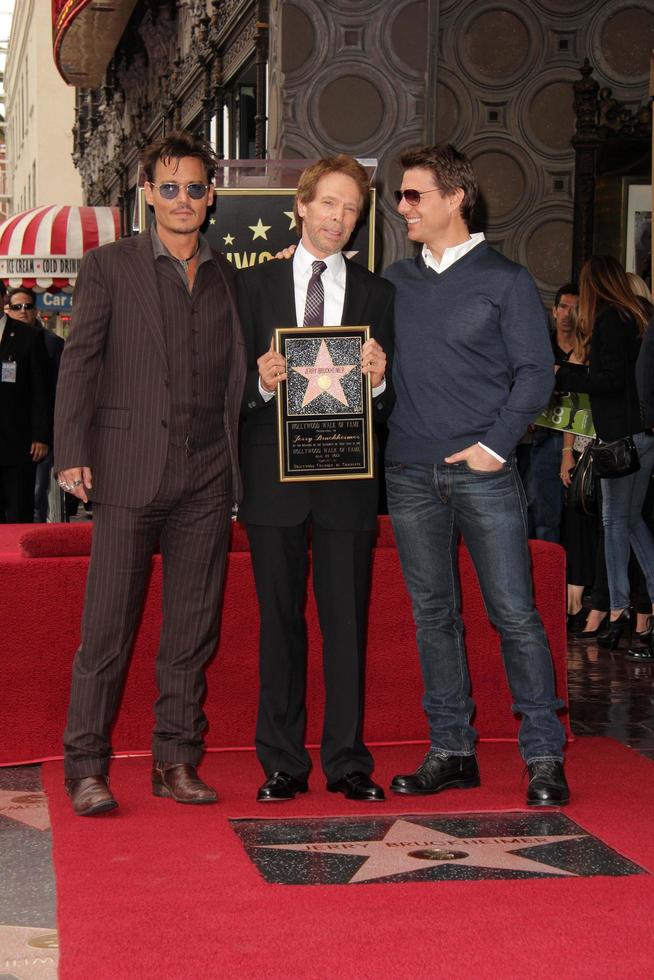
320	423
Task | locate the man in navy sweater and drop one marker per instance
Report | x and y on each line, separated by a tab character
473	368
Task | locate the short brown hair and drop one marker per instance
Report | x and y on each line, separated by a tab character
451	170
178	144
342	164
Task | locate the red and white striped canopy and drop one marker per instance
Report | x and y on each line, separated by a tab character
43	248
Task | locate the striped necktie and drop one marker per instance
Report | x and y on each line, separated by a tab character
314	310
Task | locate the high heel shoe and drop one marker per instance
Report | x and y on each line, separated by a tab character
577	621
591	634
609	638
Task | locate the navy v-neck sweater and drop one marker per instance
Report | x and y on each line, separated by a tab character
473	360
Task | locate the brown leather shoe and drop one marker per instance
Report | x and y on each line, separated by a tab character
181	781
90	795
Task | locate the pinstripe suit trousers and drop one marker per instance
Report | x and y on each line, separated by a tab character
190	519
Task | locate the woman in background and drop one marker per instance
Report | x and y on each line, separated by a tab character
613	319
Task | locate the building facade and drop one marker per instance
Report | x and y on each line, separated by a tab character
40	113
302	78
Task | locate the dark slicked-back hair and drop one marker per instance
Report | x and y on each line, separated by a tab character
21	289
174	146
342	164
570	289
450	169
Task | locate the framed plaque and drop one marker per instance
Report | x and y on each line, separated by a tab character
324	407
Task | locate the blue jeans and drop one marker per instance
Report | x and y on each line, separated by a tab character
429	506
544	488
624	527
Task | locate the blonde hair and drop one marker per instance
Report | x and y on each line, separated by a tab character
639	286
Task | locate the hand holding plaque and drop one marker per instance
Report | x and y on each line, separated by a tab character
324	404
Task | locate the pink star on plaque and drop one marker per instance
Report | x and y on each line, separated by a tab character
324	376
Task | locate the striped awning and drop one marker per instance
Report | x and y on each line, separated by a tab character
43	248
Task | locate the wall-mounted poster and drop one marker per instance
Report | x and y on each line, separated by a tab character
638	240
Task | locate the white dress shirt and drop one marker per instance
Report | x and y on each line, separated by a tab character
333	281
451	254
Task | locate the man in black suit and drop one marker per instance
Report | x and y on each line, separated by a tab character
319	287
21	303
25	415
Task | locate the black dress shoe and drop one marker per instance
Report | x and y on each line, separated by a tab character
439	772
643	654
90	795
547	784
357	786
280	786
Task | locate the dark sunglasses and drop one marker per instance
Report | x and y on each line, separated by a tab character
14	307
411	196
171	189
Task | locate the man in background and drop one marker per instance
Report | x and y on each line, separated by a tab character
25	407
543	483
22	305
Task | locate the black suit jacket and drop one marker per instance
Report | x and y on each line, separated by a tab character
266	299
25	406
609	378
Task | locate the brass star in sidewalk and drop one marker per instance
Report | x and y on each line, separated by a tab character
25	806
409	846
259	230
324	376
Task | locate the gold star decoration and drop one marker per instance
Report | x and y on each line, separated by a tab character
324	376
259	230
291	216
228	239
212	221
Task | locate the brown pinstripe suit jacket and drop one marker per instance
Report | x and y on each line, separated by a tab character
113	395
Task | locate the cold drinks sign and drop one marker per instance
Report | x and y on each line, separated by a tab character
54	266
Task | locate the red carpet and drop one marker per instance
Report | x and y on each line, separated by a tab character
157	890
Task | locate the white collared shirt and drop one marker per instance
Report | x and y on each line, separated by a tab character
333	281
452	254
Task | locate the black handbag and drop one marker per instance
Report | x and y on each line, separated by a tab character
615	459
582	491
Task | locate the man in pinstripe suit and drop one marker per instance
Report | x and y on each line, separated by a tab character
146	416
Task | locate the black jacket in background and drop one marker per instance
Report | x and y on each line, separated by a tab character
645	376
610	376
25	405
